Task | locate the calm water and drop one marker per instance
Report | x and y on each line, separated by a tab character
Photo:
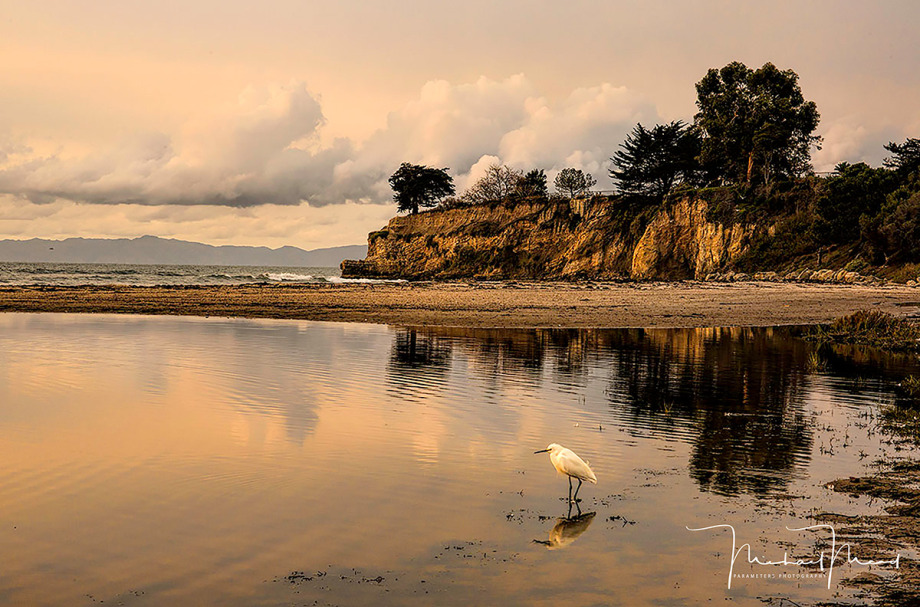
71	274
154	461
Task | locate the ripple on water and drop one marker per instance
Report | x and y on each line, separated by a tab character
200	461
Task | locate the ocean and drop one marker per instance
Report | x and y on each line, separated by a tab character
74	274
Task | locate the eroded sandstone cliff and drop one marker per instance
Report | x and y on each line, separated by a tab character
600	239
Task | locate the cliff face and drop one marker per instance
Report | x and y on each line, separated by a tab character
681	243
562	240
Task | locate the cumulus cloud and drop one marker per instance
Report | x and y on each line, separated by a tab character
452	125
476	172
845	140
265	148
468	127
582	132
240	155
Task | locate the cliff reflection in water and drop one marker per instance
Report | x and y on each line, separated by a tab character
413	349
740	391
736	395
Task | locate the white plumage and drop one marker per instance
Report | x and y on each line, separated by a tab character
568	463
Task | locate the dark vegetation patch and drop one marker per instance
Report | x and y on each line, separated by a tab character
871	328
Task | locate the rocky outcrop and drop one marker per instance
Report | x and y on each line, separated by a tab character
681	243
842	277
598	239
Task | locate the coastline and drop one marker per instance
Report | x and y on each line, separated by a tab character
507	304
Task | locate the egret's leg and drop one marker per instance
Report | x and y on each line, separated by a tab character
570	490
577	488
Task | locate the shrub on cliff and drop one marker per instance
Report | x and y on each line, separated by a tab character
453	202
532	185
853	191
792	238
905	159
894	234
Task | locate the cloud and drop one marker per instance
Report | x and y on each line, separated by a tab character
452	125
842	141
845	140
266	147
476	172
581	132
240	155
467	127
588	125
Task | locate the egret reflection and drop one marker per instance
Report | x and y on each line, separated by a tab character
567	529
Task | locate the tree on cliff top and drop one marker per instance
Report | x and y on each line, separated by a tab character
499	183
533	185
652	161
755	124
905	157
417	186
573	182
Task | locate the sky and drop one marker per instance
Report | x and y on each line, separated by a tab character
278	122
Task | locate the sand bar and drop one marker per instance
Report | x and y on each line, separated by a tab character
478	304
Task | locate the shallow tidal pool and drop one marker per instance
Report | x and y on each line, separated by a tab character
189	461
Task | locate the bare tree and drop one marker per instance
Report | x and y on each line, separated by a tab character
498	184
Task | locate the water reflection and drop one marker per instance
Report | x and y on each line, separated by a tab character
210	448
412	349
734	394
740	390
567	529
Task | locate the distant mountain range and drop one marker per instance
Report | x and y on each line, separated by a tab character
155	250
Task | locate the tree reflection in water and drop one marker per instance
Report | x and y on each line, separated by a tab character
739	390
735	394
412	350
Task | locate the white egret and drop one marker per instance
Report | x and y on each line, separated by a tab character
565	461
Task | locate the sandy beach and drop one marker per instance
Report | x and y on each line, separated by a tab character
480	304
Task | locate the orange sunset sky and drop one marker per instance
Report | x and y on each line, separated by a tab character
278	122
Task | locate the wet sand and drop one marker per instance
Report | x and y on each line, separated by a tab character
492	305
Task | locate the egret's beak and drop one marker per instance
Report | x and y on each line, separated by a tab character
541	451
